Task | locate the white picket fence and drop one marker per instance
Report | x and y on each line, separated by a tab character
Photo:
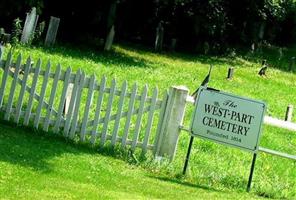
95	113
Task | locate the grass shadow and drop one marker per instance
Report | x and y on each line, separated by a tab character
28	148
33	148
184	183
98	56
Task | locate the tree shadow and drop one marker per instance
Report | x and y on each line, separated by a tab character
105	57
25	147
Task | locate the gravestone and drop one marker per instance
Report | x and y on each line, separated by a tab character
109	39
173	44
159	37
261	31
29	27
289	113
52	31
292	63
230	73
253	48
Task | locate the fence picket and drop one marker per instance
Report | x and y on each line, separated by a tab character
119	112
4	77
98	110
42	94
87	106
12	88
77	105
32	93
150	120
71	123
62	101
158	136
1	54
139	117
51	98
129	114
72	103
23	90
108	113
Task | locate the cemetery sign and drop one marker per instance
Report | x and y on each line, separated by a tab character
228	119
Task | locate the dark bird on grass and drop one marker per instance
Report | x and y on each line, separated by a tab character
204	82
263	69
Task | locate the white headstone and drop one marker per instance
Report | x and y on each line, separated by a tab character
30	23
52	31
109	39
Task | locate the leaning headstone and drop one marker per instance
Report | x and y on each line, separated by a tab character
230	73
159	37
52	31
292	63
30	23
173	44
261	31
289	113
280	58
253	47
2	31
109	39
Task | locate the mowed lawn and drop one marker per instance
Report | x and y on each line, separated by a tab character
38	166
34	165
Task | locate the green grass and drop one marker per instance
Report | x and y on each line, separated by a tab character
38	166
214	169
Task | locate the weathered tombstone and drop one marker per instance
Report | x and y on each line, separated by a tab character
289	113
253	47
2	31
262	71
1	35
230	73
261	31
206	48
52	31
292	63
30	23
173	44
159	37
109	39
35	24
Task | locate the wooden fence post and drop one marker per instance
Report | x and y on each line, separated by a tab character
173	118
68	99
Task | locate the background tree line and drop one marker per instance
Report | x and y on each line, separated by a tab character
197	25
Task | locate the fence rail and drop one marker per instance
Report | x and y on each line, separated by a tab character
96	113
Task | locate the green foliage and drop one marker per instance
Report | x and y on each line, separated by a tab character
215	171
16	32
38	166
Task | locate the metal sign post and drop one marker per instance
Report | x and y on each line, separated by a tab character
251	172
194	94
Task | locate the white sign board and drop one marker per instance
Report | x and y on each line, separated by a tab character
228	119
